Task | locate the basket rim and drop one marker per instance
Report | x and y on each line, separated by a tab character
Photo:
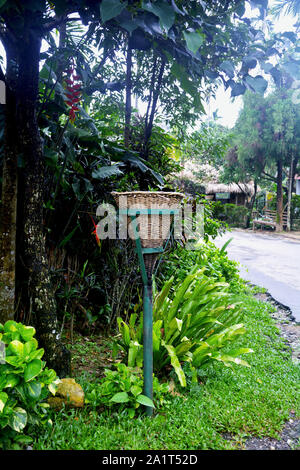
143	193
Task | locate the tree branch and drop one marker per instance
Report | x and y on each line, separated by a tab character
270	177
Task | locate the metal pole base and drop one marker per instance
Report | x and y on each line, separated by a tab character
148	345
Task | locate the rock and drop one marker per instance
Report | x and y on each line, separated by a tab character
69	393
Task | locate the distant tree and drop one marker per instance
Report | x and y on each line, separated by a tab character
267	138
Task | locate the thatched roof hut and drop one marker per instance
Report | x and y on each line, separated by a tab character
235	193
232	188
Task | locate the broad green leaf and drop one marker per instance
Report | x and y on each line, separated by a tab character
104	172
136	390
172	330
249	62
121	397
10	326
133	352
202	351
131	413
157	335
226	359
3	400
236	352
38	354
132	320
18	419
49	376
111	8
257	84
16	347
34	389
52	387
33	369
2	380
160	298
183	348
176	364
27	332
163	11
228	68
292	68
178	299
11	336
194	40
266	66
11	380
14	361
30	346
143	400
124	330
238	89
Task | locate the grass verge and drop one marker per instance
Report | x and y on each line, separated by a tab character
242	401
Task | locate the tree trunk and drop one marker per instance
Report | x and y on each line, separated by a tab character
40	292
128	105
279	221
251	206
149	123
290	191
9	196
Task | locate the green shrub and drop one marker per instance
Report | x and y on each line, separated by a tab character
214	260
123	388
233	215
295	211
25	382
193	321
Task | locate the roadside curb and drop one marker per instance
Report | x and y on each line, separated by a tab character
270	298
285	235
287	309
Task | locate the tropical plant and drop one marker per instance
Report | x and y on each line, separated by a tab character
25	382
193	321
123	388
218	267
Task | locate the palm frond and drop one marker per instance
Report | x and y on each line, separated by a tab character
286	7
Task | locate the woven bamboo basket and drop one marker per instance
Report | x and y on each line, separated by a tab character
153	228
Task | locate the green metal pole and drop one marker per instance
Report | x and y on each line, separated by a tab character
148	344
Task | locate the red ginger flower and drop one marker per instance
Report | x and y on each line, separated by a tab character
95	232
73	92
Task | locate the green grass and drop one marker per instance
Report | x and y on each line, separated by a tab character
241	401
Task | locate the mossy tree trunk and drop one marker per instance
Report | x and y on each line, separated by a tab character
8	216
40	293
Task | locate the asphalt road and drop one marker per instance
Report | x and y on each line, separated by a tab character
269	261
